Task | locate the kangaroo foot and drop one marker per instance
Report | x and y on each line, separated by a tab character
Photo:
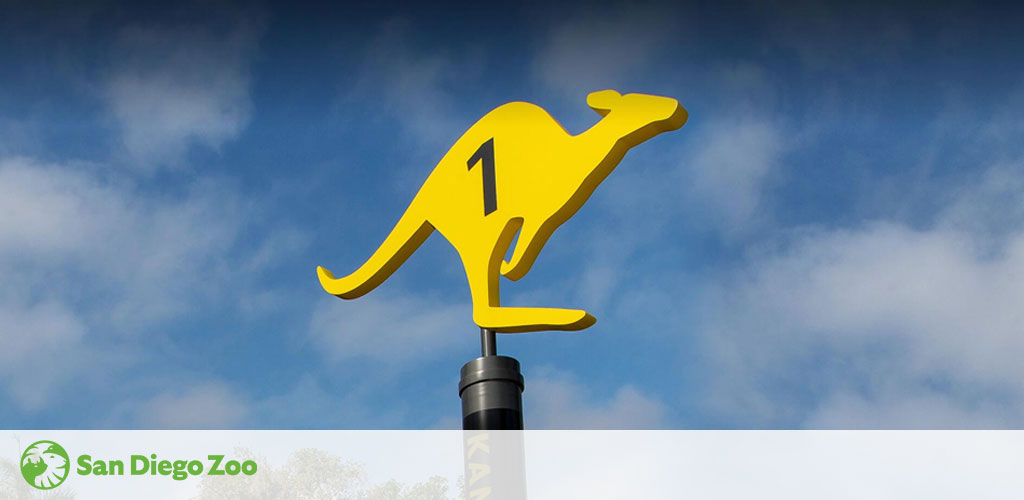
531	319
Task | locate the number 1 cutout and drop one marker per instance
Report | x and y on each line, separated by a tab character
485	154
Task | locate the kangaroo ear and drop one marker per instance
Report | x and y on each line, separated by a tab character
603	101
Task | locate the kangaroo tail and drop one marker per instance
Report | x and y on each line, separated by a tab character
410	232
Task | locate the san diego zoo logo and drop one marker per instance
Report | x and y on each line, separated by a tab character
45	465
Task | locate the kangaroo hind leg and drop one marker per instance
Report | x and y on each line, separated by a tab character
482	270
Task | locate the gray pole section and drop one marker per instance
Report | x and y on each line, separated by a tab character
488	343
491	389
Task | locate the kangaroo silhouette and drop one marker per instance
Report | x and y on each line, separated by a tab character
534	177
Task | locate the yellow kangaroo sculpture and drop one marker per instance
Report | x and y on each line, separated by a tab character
534	177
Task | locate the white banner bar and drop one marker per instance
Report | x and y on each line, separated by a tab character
538	465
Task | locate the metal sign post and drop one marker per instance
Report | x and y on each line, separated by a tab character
491	389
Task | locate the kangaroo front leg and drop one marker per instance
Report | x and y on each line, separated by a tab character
487	313
482	270
532	319
532	237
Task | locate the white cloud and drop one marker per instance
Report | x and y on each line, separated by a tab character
603	48
170	88
728	171
41	343
415	88
989	207
860	322
327	408
208	405
1004	127
554	400
389	328
718	180
46	208
91	262
71	233
914	410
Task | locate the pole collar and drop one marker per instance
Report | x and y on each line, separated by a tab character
491	368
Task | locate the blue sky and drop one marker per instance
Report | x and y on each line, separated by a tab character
835	239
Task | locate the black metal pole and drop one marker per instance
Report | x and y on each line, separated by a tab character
491	389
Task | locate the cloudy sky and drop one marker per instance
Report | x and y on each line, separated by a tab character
835	239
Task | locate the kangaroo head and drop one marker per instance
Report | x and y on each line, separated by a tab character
638	116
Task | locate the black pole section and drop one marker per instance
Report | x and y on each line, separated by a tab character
491	389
